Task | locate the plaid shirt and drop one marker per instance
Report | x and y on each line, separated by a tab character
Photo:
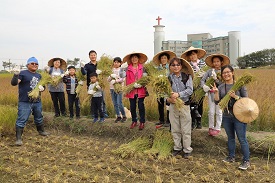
67	81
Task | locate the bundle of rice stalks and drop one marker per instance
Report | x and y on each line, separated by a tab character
127	150
199	92
162	144
198	76
245	79
45	79
105	65
150	68
118	87
144	81
56	80
80	76
78	90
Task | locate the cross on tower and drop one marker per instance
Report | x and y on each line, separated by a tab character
158	19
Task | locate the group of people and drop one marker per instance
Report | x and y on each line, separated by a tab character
179	71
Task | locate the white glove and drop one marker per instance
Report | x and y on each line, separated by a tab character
113	81
47	69
114	76
91	92
124	65
41	88
98	71
82	63
80	82
136	85
67	73
98	87
62	75
159	76
206	88
214	75
144	74
16	69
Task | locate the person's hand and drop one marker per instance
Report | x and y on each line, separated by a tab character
206	88
124	65
62	75
117	80
136	85
82	63
175	95
67	73
47	69
214	75
91	92
41	88
144	74
98	71
98	87
115	76
214	88
171	100
113	81
80	82
16	69
233	94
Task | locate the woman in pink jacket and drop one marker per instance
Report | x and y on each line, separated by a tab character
133	70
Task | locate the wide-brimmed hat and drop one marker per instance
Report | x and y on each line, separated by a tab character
246	110
63	64
201	53
186	67
142	58
209	61
156	58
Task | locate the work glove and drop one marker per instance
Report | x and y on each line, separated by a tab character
82	63
80	82
214	75
41	88
91	92
98	87
113	81
115	76
206	88
124	65
16	69
98	71
62	75
136	85
47	69
67	73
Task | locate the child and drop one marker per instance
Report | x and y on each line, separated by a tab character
96	92
71	83
117	97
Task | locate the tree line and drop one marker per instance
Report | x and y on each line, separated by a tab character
257	59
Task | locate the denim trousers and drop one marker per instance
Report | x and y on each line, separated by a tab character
141	108
232	126
117	101
24	111
73	100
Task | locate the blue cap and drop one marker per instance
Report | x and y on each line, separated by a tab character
32	60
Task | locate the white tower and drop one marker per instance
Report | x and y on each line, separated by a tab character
234	46
159	36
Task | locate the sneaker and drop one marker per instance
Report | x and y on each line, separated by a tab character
118	119
166	125
229	160
244	165
141	126
186	155
123	119
101	120
176	152
95	120
160	123
215	132
210	131
133	125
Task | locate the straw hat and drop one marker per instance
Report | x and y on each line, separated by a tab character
156	58
142	58
208	60
186	67
245	110
63	64
201	53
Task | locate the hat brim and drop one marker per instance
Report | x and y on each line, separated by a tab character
208	60
201	53
156	59
63	64
186	67
142	58
246	110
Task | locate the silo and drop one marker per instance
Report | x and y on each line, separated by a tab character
234	46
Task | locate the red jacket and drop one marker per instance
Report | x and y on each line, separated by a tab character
130	78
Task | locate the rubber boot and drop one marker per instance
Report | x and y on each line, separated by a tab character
19	132
41	131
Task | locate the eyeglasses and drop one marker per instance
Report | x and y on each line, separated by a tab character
34	63
174	65
227	72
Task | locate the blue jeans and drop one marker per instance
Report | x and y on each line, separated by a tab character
232	125
24	111
117	101
141	108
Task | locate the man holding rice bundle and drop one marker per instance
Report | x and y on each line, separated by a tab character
27	81
180	118
193	56
215	61
162	59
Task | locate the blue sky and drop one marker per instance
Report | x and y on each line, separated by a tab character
69	29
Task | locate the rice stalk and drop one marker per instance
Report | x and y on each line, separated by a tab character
56	80
150	68
198	76
80	76
105	64
45	79
78	90
144	81
245	79
118	87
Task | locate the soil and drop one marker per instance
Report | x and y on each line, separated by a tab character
80	151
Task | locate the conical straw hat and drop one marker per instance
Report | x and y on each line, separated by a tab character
246	110
142	58
208	60
156	58
63	64
201	53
